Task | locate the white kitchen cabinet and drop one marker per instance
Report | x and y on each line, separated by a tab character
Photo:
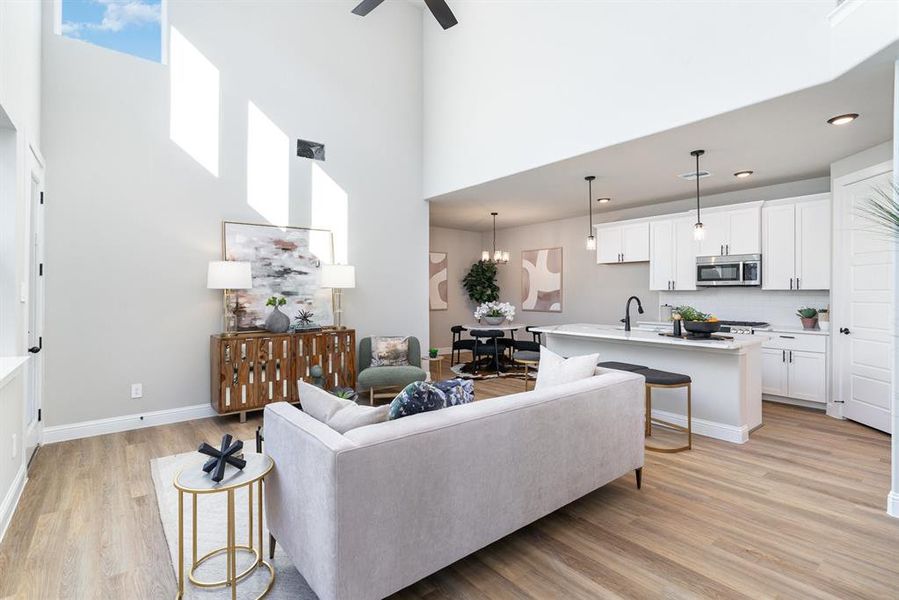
732	231
796	244
672	254
794	365
622	242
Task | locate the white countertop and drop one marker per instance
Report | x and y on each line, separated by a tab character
9	365
792	329
617	333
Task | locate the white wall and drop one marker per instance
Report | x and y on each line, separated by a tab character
518	85
133	219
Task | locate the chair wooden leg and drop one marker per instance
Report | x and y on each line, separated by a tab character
690	416
639	473
648	425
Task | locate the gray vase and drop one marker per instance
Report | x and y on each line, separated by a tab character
494	320
277	322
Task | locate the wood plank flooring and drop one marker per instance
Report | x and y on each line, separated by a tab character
798	512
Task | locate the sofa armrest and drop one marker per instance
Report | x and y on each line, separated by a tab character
301	492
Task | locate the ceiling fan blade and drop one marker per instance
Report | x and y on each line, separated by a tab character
366	6
441	12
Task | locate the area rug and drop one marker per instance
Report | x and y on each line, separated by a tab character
463	371
211	518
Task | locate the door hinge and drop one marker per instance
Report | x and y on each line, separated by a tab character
42	197
40	270
40	415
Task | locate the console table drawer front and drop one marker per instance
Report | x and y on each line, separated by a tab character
274	373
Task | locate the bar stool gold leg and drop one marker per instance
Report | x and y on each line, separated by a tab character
193	525
180	544
232	554
689	416
689	427
259	529
250	516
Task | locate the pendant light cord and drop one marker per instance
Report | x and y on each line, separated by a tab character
590	205
698	219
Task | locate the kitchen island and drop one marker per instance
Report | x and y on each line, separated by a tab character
727	374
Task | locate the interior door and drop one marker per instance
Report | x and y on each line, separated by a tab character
635	242
608	244
774	371
745	227
807	376
685	250
33	425
717	233
813	244
661	259
778	247
862	323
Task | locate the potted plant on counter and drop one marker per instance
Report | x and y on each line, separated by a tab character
494	313
809	317
698	323
824	319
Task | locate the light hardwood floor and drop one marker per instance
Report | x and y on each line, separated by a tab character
798	512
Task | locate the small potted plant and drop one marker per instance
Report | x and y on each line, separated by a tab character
277	322
824	319
494	313
432	352
809	317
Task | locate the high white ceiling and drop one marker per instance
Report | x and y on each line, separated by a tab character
784	139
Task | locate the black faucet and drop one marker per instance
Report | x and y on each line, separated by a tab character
627	312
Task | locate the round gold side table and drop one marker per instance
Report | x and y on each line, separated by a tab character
192	480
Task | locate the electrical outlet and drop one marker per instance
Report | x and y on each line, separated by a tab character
15	445
137	390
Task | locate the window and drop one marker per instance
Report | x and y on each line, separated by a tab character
130	26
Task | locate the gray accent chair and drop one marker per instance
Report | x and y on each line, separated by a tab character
371	379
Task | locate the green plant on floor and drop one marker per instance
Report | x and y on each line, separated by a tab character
480	282
275	301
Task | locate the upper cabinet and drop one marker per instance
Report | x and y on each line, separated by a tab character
626	241
796	244
672	254
730	231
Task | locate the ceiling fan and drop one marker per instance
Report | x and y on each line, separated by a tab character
438	8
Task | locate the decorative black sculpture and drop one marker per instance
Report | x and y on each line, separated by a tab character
222	457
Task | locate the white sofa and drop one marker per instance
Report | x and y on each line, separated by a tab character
365	514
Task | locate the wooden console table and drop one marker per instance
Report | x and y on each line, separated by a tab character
250	370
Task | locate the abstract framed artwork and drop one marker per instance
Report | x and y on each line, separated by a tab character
437	281
541	280
285	261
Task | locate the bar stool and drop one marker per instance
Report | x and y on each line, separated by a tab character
664	379
528	358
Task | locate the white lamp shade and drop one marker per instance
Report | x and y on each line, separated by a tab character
229	275
338	276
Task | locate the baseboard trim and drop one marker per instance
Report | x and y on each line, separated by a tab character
712	429
11	500
84	429
893	504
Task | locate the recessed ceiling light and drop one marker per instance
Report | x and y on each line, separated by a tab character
603	200
843	119
742	174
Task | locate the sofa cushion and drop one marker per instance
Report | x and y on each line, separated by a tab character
389	351
338	414
417	397
390	376
556	370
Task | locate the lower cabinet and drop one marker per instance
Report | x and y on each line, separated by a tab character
795	366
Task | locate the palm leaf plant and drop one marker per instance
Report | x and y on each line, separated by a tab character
883	209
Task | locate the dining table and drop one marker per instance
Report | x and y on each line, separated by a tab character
500	363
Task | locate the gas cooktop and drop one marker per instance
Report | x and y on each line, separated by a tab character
744	327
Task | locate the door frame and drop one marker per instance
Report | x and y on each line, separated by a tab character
839	281
32	430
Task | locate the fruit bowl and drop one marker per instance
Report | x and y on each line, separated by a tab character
702	329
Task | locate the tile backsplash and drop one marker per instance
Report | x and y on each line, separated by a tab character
749	303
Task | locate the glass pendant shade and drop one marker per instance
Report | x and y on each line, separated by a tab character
591	242
499	257
698	232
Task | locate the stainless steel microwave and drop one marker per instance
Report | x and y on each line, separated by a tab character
740	269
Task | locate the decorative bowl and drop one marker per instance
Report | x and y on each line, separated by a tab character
494	320
702	329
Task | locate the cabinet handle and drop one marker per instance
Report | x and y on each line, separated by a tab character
791	283
788	337
791	356
844	330
722	249
797	283
673	285
727	249
783	356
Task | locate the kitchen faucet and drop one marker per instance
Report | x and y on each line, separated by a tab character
627	312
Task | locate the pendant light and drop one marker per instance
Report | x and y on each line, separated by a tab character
698	229
499	257
591	239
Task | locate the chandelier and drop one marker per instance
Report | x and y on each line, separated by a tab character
499	257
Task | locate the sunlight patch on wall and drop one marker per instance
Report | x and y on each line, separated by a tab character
329	210
194	102
268	167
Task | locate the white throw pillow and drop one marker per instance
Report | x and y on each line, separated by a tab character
556	370
339	414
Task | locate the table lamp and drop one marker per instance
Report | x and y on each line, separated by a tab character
229	275
338	278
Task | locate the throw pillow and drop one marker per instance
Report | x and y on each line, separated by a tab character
417	397
392	351
338	414
457	391
556	370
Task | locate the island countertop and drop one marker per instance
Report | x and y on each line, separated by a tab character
617	333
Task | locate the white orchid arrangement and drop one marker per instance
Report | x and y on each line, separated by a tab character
495	309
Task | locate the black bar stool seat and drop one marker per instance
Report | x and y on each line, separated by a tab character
621	366
666	379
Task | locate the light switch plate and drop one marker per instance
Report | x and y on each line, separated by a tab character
137	391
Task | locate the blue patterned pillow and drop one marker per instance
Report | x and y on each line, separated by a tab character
457	391
417	397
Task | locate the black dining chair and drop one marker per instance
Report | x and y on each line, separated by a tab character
487	344
459	344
